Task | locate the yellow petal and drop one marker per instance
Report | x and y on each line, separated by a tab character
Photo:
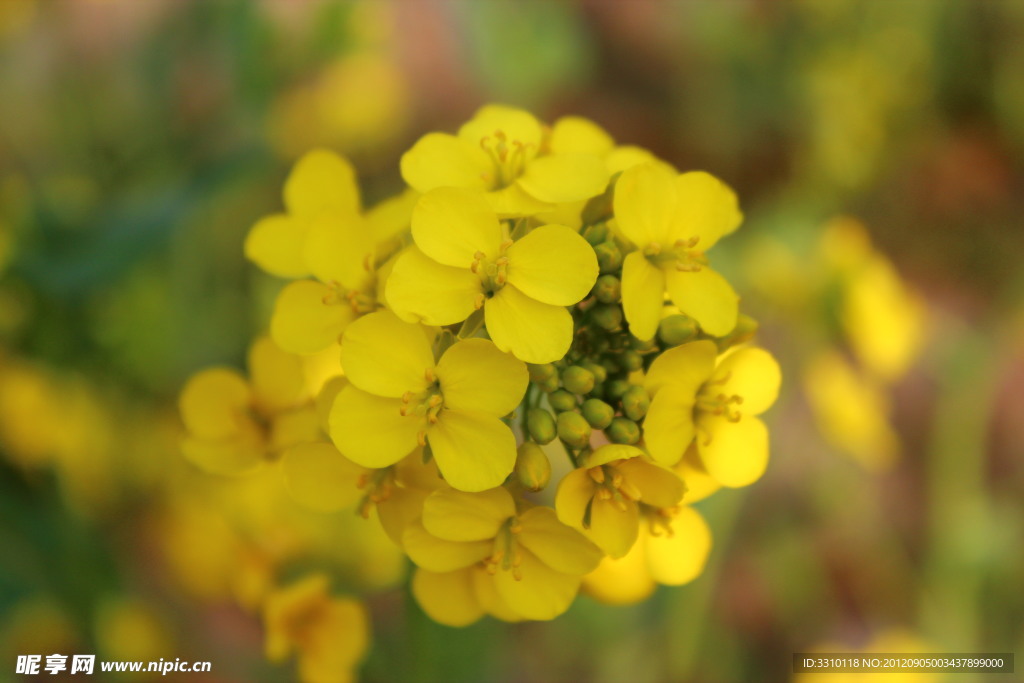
573	497
532	331
542	593
286	606
401	509
320	477
420	289
679	557
321	180
706	208
439	555
489	598
750	373
278	377
579	135
242	453
699	484
613	529
451	225
553	265
706	297
339	248
609	453
474	451
335	643
555	544
685	367
668	426
370	430
276	244
212	401
658	486
513	201
475	375
564	177
645	199
737	453
459	516
622	581
392	216
442	160
643	295
386	356
628	156
294	427
303	323
516	125
447	598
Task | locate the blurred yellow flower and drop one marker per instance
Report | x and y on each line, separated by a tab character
693	395
501	151
673	220
465	261
602	498
328	635
400	398
535	561
851	409
235	425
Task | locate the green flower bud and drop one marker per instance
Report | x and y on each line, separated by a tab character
607	317
541	373
597	391
643	347
635	403
600	374
562	400
532	466
609	257
598	413
574	430
631	360
610	365
616	389
550	384
577	379
746	328
623	430
541	425
677	329
608	289
595	234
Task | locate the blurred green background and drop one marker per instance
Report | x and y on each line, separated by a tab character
140	139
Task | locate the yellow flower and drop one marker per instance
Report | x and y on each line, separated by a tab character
851	411
692	395
671	551
321	183
235	424
673	220
326	235
535	561
329	635
501	151
400	398
602	498
464	261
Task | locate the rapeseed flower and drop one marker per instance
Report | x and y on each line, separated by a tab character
501	151
693	395
464	261
535	562
673	220
400	398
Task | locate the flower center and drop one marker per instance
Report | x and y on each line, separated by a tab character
359	301
720	404
509	158
613	487
379	485
493	273
427	403
681	255
507	554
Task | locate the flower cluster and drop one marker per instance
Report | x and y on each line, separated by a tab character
539	367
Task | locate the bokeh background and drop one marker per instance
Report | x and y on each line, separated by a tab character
877	149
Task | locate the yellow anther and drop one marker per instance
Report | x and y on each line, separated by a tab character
407	397
505	245
421	437
478	301
597	474
430	375
368	263
604	494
